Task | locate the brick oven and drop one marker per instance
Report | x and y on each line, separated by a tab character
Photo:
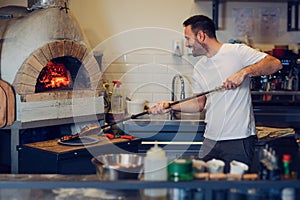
47	60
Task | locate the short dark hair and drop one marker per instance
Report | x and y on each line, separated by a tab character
201	22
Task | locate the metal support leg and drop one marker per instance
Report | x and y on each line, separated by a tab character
208	194
14	143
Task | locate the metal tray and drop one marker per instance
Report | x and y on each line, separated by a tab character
80	141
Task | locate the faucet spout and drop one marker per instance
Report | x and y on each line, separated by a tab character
182	92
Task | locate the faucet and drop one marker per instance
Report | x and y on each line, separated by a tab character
182	93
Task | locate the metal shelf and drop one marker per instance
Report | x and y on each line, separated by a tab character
276	92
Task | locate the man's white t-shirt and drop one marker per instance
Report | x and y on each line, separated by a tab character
229	113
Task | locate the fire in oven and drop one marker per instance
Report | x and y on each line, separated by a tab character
60	74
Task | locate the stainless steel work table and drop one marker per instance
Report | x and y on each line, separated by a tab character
54	181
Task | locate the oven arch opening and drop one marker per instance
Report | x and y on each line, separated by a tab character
60	74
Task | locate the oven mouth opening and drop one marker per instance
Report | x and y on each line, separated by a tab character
60	74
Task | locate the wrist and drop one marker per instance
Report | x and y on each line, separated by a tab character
246	72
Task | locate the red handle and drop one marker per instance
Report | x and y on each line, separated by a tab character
130	137
110	136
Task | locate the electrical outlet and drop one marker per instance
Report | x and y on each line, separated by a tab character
177	47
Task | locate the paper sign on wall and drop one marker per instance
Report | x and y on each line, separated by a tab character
269	21
243	21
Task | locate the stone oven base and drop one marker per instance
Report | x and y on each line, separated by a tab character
59	104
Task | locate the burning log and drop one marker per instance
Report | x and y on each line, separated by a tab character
53	75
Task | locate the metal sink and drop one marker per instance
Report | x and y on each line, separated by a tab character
188	116
155	129
177	137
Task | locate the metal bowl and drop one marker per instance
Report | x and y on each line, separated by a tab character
118	166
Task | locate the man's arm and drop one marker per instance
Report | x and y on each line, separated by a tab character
268	65
193	105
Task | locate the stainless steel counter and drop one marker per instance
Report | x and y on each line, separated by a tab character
48	186
177	137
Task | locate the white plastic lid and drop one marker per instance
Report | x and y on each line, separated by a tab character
156	152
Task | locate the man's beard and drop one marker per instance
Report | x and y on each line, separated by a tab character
199	49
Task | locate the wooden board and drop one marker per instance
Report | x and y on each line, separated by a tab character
54	146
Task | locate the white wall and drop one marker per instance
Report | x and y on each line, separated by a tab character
136	37
102	19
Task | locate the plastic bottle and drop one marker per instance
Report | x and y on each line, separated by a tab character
155	169
117	102
263	164
274	174
286	159
287	193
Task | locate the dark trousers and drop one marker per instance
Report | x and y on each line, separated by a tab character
241	150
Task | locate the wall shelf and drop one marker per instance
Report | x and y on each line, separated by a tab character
292	11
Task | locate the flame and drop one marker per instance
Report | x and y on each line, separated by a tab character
54	75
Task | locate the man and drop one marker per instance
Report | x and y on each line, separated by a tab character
230	128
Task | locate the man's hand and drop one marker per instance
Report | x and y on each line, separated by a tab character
160	108
235	80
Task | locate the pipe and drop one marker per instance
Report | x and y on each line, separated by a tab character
40	4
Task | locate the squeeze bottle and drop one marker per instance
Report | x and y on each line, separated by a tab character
117	102
155	169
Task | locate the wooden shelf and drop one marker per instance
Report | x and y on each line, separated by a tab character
276	92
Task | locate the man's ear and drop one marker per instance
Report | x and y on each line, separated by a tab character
200	36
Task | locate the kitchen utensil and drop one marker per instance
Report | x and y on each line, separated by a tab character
3	114
99	130
114	136
199	166
8	101
118	166
79	141
215	166
168	105
135	116
238	167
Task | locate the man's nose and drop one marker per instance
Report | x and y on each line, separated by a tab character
187	44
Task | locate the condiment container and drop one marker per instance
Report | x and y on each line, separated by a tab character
215	166
180	170
117	101
237	167
155	169
135	106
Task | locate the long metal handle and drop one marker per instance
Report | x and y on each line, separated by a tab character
193	97
166	107
125	119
